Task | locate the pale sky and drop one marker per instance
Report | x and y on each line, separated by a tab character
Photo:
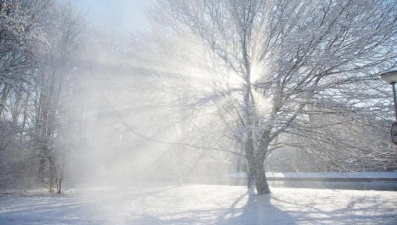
129	14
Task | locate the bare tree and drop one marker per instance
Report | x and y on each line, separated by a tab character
62	25
264	67
39	42
20	34
18	39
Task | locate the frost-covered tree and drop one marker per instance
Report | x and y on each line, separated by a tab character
256	69
343	142
55	83
19	35
39	42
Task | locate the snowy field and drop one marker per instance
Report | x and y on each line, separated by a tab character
199	204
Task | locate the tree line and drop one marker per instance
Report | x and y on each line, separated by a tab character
39	47
208	79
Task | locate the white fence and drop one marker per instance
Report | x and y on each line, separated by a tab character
333	180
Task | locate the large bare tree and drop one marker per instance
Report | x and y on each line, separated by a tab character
265	67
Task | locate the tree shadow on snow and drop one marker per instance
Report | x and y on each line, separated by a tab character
257	211
364	210
83	208
359	210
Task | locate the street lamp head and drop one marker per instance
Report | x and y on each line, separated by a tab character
389	77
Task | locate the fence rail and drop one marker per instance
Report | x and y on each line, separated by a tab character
332	180
355	181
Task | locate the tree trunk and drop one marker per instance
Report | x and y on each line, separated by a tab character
41	169
250	176
59	184
262	187
256	173
256	170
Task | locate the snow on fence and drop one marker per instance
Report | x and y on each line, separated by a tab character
332	180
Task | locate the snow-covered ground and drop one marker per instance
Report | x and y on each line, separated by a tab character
199	204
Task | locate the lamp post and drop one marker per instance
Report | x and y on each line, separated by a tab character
391	78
